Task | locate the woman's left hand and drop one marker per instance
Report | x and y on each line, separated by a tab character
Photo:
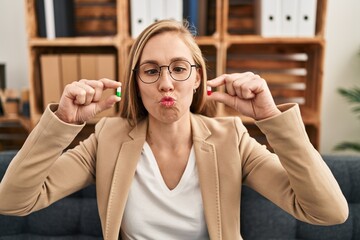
247	93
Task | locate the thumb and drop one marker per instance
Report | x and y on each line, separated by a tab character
107	103
223	98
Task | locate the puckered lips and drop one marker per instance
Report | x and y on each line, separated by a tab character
167	101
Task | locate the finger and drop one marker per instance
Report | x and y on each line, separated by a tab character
240	88
218	81
108	83
107	103
98	87
246	85
76	94
223	98
253	87
89	91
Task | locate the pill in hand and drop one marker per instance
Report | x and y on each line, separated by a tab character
209	91
118	92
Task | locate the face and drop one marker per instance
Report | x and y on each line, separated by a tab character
167	100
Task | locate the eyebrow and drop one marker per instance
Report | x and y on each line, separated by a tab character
171	60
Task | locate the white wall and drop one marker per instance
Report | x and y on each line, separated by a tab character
342	69
13	51
342	64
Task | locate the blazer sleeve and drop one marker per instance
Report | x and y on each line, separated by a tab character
41	173
295	178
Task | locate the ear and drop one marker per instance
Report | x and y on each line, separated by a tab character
198	77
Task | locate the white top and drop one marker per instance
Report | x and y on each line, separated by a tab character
153	211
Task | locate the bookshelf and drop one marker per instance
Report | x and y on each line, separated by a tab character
230	45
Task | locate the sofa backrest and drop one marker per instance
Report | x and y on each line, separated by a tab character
261	219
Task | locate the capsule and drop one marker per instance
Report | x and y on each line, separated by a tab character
209	91
118	92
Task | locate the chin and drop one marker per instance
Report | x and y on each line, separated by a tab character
170	115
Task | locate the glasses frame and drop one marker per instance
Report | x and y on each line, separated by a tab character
136	71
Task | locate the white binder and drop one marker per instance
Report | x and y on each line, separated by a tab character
306	18
289	14
49	19
140	16
173	9
268	17
156	10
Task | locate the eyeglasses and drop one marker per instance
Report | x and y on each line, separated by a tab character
179	70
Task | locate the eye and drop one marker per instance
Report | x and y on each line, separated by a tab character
178	69
152	71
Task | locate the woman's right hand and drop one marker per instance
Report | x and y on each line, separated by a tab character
81	100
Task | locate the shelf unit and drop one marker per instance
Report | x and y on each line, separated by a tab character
293	67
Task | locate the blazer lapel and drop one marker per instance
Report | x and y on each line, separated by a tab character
123	175
206	162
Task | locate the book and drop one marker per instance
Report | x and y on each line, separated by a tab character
202	17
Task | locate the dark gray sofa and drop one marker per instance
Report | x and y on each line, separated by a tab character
76	217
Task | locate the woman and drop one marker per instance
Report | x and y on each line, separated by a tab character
164	170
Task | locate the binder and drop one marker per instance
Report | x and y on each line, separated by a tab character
268	17
306	18
55	18
190	13
157	11
95	67
69	69
289	18
106	69
173	9
49	19
64	18
88	66
140	16
40	14
50	78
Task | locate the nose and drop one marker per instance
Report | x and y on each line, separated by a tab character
165	81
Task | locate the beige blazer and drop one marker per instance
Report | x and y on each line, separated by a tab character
296	179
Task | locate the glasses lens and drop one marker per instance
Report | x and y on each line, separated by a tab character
180	70
149	72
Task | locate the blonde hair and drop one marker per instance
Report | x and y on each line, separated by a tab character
132	107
